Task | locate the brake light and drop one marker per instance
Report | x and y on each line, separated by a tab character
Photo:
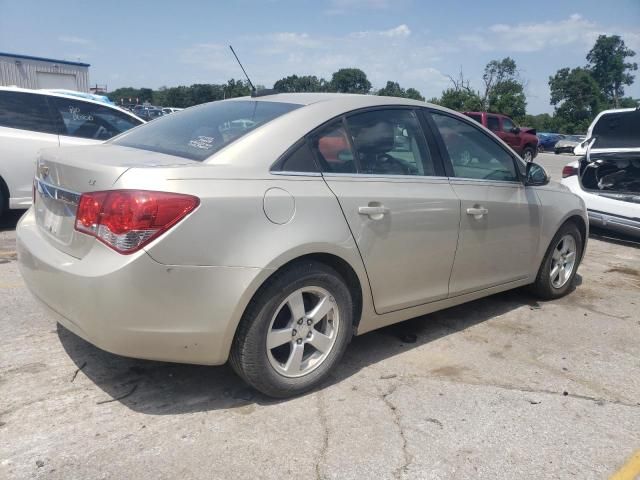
569	171
126	220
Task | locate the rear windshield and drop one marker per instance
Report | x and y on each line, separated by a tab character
199	132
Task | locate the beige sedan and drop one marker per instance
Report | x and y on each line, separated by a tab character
268	231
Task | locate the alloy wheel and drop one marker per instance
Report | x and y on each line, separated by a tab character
302	332
563	261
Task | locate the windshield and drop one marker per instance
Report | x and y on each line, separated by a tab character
199	132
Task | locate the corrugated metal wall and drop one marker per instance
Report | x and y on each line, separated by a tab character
25	72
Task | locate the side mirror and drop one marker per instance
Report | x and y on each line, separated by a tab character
535	175
515	130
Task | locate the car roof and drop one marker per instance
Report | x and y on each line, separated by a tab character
51	93
350	99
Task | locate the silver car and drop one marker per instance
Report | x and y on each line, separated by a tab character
268	231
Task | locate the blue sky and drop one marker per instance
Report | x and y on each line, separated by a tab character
417	43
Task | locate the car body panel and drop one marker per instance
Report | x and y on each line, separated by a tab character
18	152
606	212
408	252
501	245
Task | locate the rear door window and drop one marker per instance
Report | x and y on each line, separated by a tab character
26	111
390	142
91	120
493	123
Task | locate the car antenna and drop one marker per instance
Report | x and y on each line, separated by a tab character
253	89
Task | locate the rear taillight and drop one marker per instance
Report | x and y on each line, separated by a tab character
126	220
569	171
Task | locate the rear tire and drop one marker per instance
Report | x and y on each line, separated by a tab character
560	263
274	349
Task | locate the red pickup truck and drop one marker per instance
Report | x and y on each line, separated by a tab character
522	140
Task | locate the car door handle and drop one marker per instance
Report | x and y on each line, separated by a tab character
374	212
477	212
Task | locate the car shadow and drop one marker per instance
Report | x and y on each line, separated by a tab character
160	388
9	220
613	237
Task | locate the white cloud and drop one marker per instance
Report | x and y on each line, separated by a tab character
401	31
533	37
74	40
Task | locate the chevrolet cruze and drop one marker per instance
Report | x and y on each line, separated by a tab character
268	231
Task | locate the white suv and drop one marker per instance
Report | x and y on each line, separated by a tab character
35	119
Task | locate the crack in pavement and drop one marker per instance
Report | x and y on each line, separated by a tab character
599	401
396	419
322	415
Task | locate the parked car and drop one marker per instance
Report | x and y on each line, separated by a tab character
547	141
523	140
149	114
168	110
271	247
607	178
35	119
567	144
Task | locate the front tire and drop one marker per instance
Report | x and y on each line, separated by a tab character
560	263
294	331
528	154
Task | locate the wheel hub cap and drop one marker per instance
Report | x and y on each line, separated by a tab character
563	261
302	332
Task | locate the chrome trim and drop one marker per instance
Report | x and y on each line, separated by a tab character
382	176
53	192
296	174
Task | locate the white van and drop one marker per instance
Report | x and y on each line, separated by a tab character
35	119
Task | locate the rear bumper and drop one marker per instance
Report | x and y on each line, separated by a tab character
132	305
628	226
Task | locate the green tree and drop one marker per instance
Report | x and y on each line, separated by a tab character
393	89
305	83
577	98
236	88
503	88
350	80
507	97
461	100
542	122
609	68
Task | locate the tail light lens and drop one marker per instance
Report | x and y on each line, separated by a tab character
569	171
126	220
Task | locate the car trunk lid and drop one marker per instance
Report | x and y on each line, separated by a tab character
64	174
617	130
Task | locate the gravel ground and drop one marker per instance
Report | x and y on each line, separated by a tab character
504	387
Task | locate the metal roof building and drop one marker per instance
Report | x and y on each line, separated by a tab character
37	72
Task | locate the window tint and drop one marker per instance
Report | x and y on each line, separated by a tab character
331	147
89	120
301	160
390	142
507	125
26	111
493	123
472	153
199	132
